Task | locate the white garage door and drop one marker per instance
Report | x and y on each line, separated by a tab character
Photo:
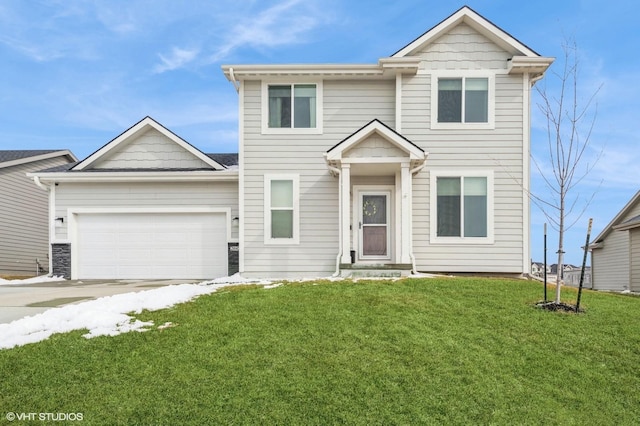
151	245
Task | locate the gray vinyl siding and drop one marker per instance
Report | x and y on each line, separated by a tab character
611	263
24	229
635	259
131	195
151	150
499	150
348	105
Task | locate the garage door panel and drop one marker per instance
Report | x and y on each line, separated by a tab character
151	245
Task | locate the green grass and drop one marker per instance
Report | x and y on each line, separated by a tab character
418	351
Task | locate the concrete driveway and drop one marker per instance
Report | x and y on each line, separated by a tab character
21	300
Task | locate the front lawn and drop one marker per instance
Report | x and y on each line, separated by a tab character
414	351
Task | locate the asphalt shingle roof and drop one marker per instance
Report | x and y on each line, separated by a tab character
12	155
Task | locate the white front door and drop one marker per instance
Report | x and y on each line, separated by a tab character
374	225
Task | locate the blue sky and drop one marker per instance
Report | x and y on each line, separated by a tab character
75	74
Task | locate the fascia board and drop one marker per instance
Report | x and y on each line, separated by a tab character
475	21
141	126
241	72
137	176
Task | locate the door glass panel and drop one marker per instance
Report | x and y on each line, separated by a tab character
374	209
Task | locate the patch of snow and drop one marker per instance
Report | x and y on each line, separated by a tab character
34	280
106	316
272	286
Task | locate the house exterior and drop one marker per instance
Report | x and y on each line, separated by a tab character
24	236
615	252
419	162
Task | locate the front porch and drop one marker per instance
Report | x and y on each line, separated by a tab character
375	167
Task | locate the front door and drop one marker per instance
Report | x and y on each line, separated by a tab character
374	225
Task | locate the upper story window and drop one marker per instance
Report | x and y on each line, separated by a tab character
462	102
292	108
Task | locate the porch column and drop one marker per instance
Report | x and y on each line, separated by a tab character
345	202
405	213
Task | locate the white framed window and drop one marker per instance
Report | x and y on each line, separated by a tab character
462	100
281	209
462	207
291	107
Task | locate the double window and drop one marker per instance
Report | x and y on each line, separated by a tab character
292	108
462	207
281	199
462	102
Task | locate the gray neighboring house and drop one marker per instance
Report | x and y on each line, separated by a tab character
24	223
615	253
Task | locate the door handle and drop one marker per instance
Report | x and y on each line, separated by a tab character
359	225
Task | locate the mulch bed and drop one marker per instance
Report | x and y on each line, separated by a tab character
558	307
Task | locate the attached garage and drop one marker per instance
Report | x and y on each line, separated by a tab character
150	245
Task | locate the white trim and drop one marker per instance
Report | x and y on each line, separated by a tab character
375	126
142	126
72	225
150	176
464	74
433	209
358	191
475	21
399	103
295	178
52	223
526	174
241	179
266	130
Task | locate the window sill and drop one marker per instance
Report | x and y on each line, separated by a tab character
463	126
291	131
467	241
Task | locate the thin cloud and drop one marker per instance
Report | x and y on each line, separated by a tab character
176	59
279	25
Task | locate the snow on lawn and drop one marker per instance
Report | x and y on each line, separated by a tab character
34	280
108	316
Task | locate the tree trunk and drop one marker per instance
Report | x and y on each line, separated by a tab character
560	269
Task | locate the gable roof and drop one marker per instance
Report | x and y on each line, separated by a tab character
10	158
141	127
616	223
376	126
476	21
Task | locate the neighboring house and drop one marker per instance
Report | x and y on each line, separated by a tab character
24	222
419	162
615	253
572	277
537	269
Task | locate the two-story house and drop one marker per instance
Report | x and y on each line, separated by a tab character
419	162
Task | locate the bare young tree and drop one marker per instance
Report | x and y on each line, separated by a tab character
570	123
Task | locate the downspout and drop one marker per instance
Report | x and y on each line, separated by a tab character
234	81
47	188
412	172
340	236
